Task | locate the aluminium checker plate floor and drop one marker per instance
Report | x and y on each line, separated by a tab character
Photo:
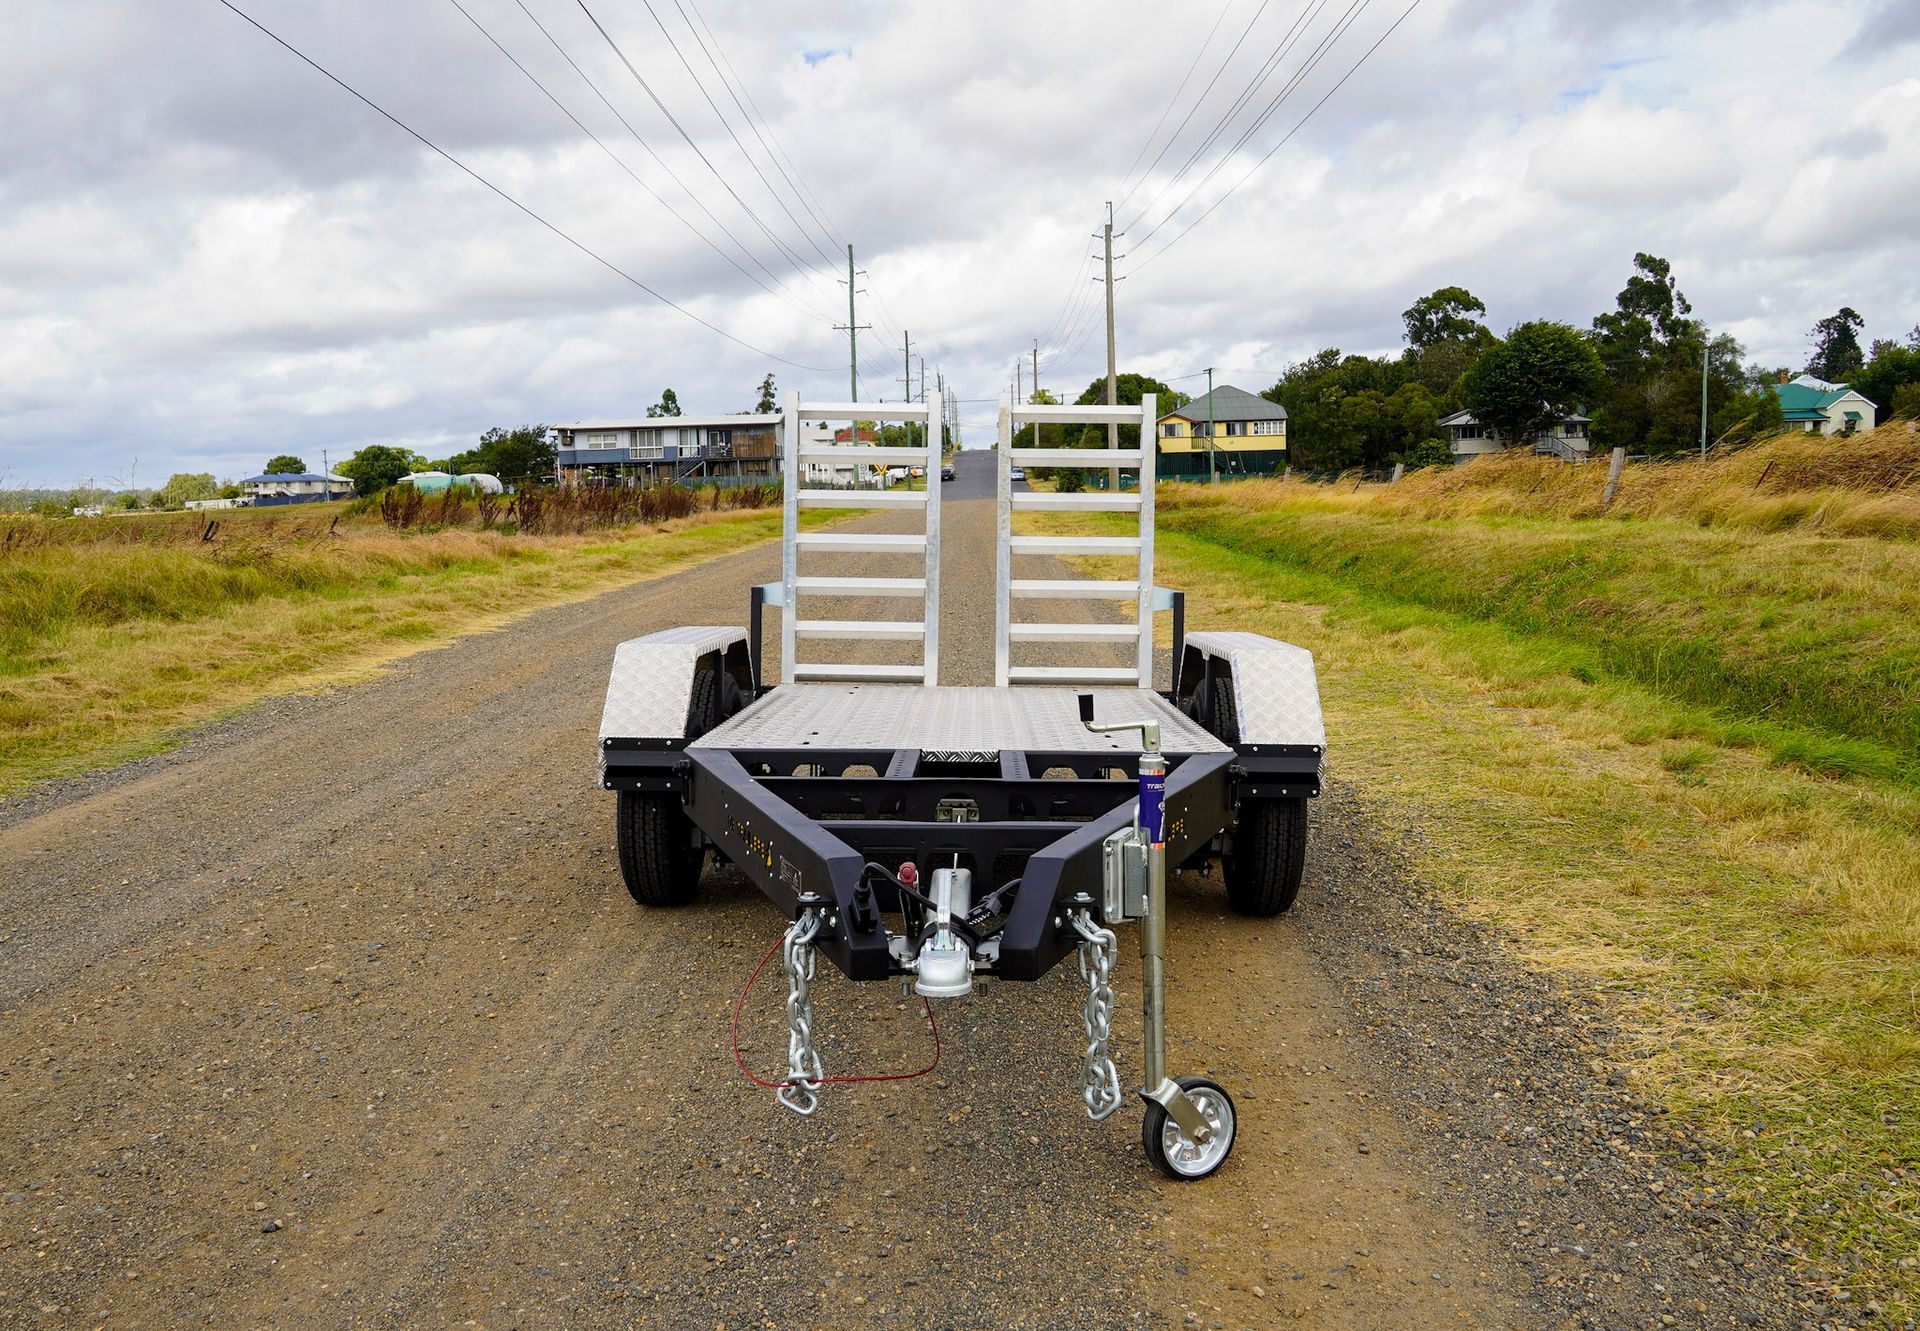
952	719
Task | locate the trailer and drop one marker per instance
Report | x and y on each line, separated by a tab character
939	834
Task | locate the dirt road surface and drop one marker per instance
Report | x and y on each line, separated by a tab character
339	1016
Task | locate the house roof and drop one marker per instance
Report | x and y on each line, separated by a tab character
691	422
1468	418
271	477
1230	404
1808	398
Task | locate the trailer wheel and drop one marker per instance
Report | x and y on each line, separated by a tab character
1268	858
658	859
1177	1155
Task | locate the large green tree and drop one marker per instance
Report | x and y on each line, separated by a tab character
1128	390
1542	373
668	405
286	464
516	455
185	485
1892	368
767	403
377	466
1836	346
1448	315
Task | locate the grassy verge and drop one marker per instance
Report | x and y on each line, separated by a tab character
1753	923
110	649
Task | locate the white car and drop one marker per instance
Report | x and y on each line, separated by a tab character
1019	473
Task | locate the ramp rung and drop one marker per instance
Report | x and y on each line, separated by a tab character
861	629
824	673
861	543
1076	457
862	586
913	457
1080	503
1072	675
1074	632
1075	545
865	498
1069	589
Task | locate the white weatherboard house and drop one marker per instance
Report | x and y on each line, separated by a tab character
1570	437
1818	407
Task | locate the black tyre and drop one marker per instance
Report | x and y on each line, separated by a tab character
1172	1151
658	859
1268	857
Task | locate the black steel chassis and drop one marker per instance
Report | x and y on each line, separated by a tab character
803	824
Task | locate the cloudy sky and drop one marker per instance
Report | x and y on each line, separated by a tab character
210	253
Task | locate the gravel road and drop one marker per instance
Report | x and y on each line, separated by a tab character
339	1016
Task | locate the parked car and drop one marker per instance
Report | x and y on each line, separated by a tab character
1019	473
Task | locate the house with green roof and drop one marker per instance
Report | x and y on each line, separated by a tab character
1818	407
1234	432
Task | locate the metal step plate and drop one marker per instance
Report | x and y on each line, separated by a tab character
973	720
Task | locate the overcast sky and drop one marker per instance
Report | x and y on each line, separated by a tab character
210	254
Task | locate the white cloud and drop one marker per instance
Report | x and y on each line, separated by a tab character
209	253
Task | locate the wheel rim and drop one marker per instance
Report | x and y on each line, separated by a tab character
1189	1157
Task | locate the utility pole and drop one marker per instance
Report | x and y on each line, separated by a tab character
1037	437
1211	477
906	365
852	329
1147	466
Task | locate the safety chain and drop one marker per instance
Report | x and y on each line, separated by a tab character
801	1094
1100	1080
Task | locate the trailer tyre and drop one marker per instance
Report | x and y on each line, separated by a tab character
1175	1154
1268	859
658	859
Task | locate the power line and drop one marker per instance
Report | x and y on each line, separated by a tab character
598	258
673	120
720	115
1171	103
1365	56
621	163
1301	25
648	147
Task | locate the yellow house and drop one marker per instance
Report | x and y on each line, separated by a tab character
1249	436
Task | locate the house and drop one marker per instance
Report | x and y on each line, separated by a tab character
286	487
1249	436
1570	438
1818	407
650	450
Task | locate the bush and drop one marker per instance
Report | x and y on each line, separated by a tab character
1429	453
1069	481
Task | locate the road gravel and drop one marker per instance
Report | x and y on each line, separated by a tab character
339	1016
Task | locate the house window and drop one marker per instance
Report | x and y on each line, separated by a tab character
1236	428
603	440
1170	430
1201	429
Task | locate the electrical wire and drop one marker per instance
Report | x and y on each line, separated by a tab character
1353	69
622	164
597	257
673	120
658	160
740	1059
1171	103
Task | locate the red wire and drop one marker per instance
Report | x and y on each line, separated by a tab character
741	1003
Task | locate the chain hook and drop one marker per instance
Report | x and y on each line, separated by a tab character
1099	1078
801	1093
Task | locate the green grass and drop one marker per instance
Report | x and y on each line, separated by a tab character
1743	891
114	648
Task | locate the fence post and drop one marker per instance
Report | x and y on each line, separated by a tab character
1613	476
1399	470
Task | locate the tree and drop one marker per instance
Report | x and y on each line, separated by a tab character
1542	373
286	465
668	405
1836	346
1892	368
184	485
1429	453
377	466
764	406
1445	316
1906	403
513	455
1128	389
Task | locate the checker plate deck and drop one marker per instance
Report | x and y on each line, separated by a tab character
952	718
